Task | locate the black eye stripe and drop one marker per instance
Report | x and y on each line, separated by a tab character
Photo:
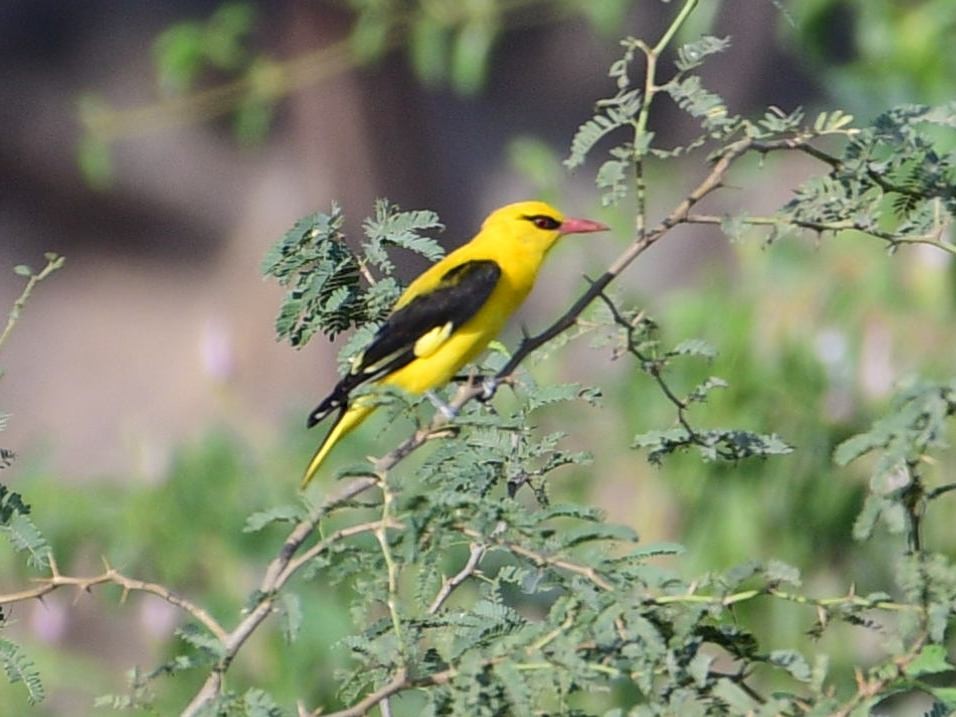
543	221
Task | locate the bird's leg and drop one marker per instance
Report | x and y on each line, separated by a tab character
449	412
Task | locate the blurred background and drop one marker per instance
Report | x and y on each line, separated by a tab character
163	147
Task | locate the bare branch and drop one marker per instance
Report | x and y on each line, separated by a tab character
449	585
113	576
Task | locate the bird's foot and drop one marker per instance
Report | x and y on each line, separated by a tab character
448	411
489	384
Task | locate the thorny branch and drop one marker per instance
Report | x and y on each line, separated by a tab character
277	574
111	575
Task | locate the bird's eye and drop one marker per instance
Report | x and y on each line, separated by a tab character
545	222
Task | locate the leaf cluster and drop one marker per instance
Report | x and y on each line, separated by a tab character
903	442
332	288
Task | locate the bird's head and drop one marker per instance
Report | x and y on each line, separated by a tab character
536	224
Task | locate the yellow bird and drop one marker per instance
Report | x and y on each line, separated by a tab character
447	316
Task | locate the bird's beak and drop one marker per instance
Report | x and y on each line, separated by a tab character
581	226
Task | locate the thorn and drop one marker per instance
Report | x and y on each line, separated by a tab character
54	569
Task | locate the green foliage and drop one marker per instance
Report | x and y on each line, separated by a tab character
20	669
893	175
332	288
183	51
878	51
904	438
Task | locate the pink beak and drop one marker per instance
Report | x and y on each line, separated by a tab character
581	226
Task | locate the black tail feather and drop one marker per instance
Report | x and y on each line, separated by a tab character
338	399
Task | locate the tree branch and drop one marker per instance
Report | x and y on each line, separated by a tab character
449	585
112	576
53	262
277	574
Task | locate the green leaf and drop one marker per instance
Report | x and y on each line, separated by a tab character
95	161
24	536
392	227
946	695
20	669
620	112
11	504
252	121
701	104
779	572
23	270
735	697
370	35
613	176
290	607
694	347
693	54
178	55
225	34
793	662
280	514
257	703
932	660
199	638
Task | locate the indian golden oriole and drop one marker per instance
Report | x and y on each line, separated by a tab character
447	316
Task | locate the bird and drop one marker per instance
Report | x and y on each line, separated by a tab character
447	316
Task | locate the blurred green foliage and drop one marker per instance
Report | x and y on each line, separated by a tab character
878	52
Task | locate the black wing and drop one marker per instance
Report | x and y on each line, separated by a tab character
459	295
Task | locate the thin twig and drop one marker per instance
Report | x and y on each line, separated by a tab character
880	679
449	585
933	239
391	567
541	560
53	262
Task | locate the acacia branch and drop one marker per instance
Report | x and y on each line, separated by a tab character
449	585
112	576
880	678
678	215
542	560
277	574
933	239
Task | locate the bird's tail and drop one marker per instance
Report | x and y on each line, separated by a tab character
350	418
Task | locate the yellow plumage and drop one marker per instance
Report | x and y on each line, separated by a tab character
449	314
